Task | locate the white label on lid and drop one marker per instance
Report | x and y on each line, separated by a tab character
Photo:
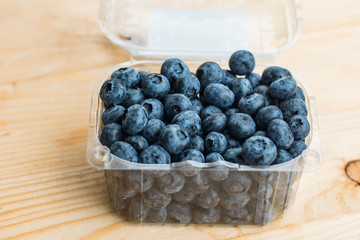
177	29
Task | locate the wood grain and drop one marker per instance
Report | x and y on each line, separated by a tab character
52	52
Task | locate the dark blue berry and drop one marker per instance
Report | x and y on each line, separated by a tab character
193	155
154	155
260	133
297	148
196	105
133	96
209	110
138	142
280	133
231	111
113	92
259	151
251	103
299	93
154	108
113	114
155	86
111	133
152	130
234	155
299	126
218	95
188	85
215	142
174	139
188	121
241	126
135	119
174	69
242	62
241	87
265	91
209	72
196	142
254	79
282	156
272	74
293	107
176	103
214	157
266	115
142	75
125	151
283	88
231	142
214	123
129	76
229	77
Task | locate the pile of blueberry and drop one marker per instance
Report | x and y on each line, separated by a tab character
213	115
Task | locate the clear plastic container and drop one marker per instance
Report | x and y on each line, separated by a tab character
192	192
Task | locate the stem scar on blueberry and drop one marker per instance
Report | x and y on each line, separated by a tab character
352	171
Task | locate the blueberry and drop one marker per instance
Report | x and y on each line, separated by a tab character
233	202
218	173
135	119
158	215
280	133
242	62
209	110
174	69
121	190
197	106
261	191
241	126
138	211
176	103
193	155
283	88
299	126
272	74
174	139
214	157
152	130
198	183
188	85
142	75
196	142
215	142
299	93
128	76
251	103
113	114
155	86
209	72
238	216
259	151
232	142
138	142
237	183
293	107
172	182
180	212
155	198
265	91
154	155
206	216
133	96
138	180
254	79
111	133
185	195
234	155
229	77
125	151
297	148
241	87
208	199
260	133
266	115
189	121
231	111
112	92
218	95
214	123
154	108
282	156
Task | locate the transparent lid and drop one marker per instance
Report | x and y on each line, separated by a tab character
199	29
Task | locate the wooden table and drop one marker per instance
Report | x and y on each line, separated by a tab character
52	52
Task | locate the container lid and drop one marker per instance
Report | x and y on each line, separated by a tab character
201	29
